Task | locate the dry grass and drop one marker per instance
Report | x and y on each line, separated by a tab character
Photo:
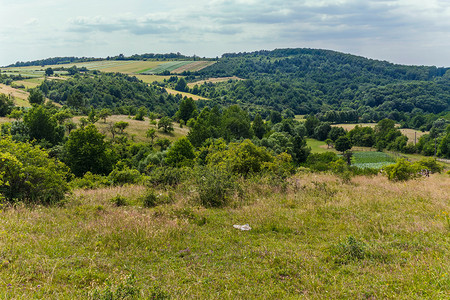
151	78
192	252
213	80
183	94
137	130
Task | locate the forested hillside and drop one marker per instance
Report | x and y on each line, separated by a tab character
312	81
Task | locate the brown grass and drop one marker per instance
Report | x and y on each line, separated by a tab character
137	130
183	94
213	80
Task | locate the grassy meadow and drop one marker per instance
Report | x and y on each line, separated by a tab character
312	237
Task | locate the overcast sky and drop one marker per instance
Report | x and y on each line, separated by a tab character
401	31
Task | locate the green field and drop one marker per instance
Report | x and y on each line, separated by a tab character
168	66
373	160
313	238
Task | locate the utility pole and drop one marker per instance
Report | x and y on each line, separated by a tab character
435	147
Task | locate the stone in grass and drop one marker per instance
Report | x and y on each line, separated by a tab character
242	227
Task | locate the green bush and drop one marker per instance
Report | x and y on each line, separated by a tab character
168	175
151	199
401	171
90	181
119	201
349	250
28	174
124	290
430	164
123	175
215	186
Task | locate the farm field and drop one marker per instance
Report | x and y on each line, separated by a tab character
371	159
20	97
313	238
213	80
166	66
193	66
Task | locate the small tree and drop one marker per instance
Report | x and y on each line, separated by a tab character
121	125
104	113
343	144
181	153
141	113
49	72
36	97
329	142
163	143
166	124
151	133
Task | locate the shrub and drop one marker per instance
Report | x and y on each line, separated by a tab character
430	164
124	290
401	171
151	199
349	250
215	186
168	175
119	201
28	174
123	175
90	181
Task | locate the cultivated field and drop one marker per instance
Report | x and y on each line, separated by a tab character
193	66
311	237
151	78
166	66
20	97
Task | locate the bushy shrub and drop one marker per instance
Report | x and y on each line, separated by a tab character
168	175
215	186
119	201
123	175
349	250
401	171
90	181
430	164
126	289
28	174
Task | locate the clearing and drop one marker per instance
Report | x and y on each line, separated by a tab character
195	97
213	80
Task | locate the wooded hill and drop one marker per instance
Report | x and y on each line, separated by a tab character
312	81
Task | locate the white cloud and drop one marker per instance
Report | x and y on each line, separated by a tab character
399	30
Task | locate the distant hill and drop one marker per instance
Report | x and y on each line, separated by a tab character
316	81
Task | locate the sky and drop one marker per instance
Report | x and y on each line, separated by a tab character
413	32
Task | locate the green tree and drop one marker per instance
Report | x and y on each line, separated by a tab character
6	105
166	124
181	85
141	113
121	125
163	143
181	153
43	126
28	174
258	126
49	72
236	123
343	144
86	151
186	109
151	133
36	97
104	113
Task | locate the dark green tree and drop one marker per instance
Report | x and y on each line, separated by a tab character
236	123
181	85
43	125
258	126
49	72
181	153
343	144
6	105
36	97
166	124
86	150
186	109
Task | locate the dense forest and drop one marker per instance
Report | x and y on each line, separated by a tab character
317	81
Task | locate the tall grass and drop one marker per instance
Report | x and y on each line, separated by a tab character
312	237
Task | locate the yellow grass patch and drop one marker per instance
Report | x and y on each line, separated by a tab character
20	97
137	130
195	97
213	80
151	78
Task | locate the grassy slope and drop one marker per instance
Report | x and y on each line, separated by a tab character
192	252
